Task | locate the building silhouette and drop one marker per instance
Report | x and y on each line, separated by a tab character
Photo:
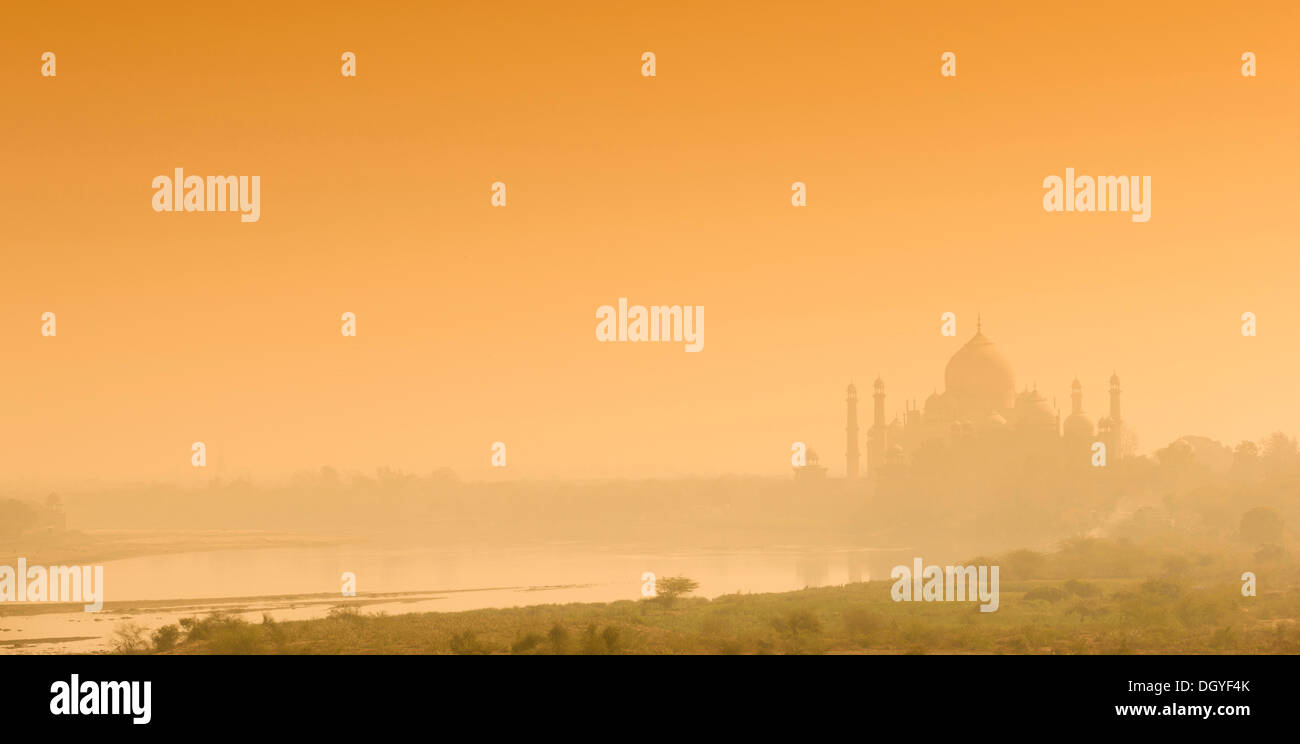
851	431
812	470
980	403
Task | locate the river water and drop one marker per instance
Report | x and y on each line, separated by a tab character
281	582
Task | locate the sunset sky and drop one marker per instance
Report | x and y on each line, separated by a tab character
476	324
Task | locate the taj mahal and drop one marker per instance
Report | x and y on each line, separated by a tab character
980	403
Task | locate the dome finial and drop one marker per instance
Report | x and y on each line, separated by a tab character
979	323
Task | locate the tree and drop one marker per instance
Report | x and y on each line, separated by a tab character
1261	526
1280	452
1179	454
1245	460
1280	446
798	622
129	638
668	590
165	638
15	518
559	638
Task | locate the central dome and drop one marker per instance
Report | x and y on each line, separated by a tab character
980	377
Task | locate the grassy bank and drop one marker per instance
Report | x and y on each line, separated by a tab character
1183	604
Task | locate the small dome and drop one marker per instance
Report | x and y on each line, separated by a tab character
1078	425
938	407
1033	410
1033	402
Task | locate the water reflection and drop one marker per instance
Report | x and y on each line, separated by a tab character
302	583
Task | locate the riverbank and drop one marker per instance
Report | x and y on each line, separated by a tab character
1038	617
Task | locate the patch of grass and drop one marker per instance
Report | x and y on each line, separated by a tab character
1088	598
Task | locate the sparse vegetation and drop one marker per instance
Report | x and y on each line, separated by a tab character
1135	612
165	638
129	638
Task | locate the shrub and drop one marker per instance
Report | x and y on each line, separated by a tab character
797	622
128	638
1081	588
274	632
166	637
1224	638
233	635
611	636
1159	589
592	643
1024	564
559	638
862	622
1269	552
526	644
345	612
466	642
1261	525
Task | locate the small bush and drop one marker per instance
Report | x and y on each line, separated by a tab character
612	638
1159	589
559	638
1270	552
345	612
592	642
862	622
235	636
1045	593
166	637
467	643
526	644
799	622
129	638
1081	588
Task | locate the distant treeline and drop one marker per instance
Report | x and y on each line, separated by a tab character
967	496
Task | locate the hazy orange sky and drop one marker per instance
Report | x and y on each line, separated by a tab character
476	324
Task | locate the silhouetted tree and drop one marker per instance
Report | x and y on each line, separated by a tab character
668	590
1261	526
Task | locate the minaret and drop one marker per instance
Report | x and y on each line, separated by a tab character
1114	401
1079	429
879	396
878	434
851	432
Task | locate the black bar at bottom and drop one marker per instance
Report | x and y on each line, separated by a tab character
661	695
